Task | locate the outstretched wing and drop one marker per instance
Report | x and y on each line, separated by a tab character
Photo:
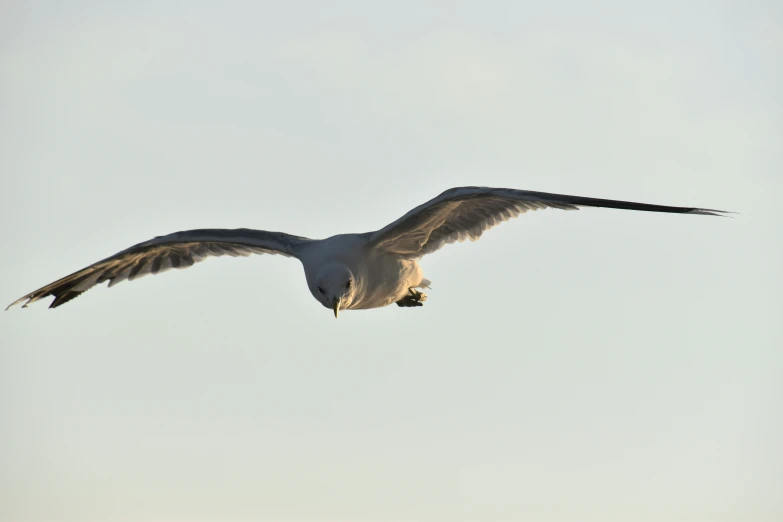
177	250
466	212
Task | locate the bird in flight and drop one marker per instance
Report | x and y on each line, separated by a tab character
346	271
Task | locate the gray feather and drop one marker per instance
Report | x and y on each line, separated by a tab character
177	250
467	212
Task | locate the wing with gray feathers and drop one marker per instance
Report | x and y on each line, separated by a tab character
177	250
466	212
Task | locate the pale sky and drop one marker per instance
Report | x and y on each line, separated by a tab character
591	365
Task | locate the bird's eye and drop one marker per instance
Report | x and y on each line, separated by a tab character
348	284
320	290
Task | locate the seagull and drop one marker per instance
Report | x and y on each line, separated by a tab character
346	271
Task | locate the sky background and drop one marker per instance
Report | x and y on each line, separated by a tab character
591	365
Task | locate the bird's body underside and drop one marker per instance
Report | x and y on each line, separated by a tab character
378	279
348	271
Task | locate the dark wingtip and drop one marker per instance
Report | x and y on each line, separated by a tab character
28	297
711	212
64	298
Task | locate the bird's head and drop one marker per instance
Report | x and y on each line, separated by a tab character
334	287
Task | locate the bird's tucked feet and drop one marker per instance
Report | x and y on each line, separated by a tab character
414	299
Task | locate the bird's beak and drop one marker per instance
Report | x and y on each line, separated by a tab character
336	306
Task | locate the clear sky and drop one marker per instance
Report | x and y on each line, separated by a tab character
591	365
